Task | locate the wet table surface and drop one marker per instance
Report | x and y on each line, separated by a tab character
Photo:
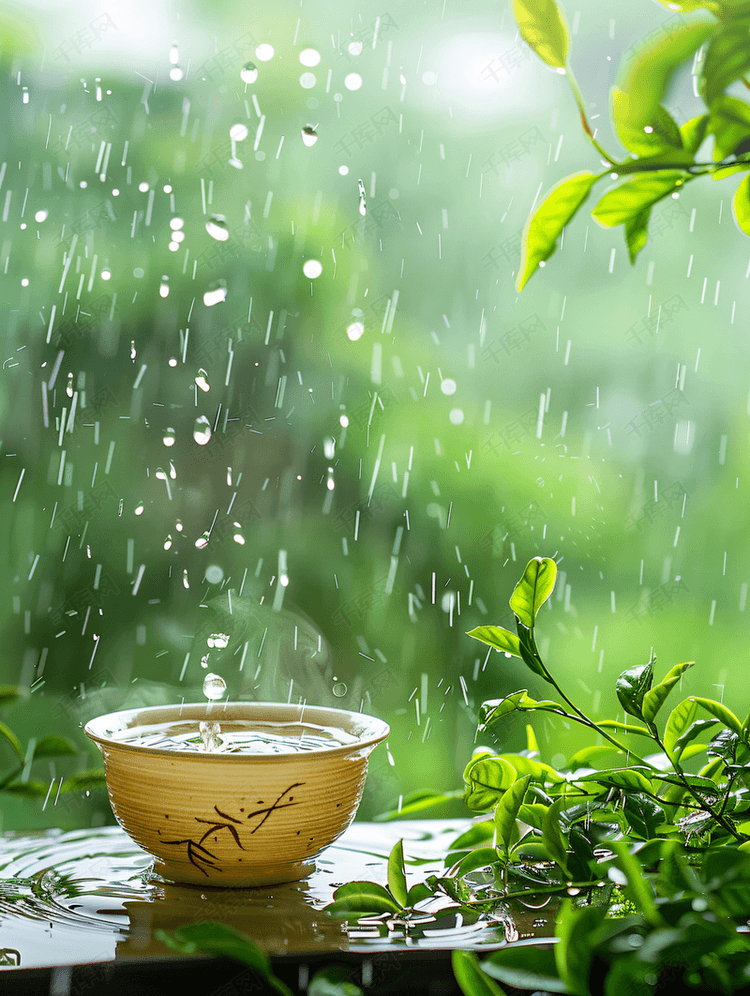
89	896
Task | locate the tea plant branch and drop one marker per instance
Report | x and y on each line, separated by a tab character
573	83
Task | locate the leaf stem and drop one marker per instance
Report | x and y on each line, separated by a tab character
584	122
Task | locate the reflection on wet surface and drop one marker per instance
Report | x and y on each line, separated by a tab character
90	896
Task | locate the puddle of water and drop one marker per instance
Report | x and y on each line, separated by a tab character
90	896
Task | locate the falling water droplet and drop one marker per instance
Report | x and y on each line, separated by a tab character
164	286
41	216
169	437
161	474
202	430
172	470
218	640
214	687
312	269
202	381
309	135
210	733
216	293
355	331
362	198
179	526
202	542
239	538
339	689
249	72
133	352
216	226
238	132
168	542
69	386
185	582
139	508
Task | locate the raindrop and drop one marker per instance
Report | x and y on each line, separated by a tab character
448	386
161	474
238	132
174	56
139	508
173	361
106	274
339	689
362	198
343	170
264	52
344	421
138	272
185	582
239	538
214	687
202	381
216	226
312	269
164	287
201	432
176	224
216	293
429	79
355	48
307	81
202	542
214	574
41	216
456	416
355	331
133	352
168	542
353	81
218	640
179	526
309	57
176	74
169	437
143	187
309	135
249	72
329	447
69	386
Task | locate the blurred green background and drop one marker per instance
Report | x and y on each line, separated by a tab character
391	440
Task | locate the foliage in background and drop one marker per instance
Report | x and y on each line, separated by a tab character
664	155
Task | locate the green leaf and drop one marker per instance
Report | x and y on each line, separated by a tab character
221	940
9	736
9	693
584	756
506	813
649	73
481	857
632	197
533	590
397	873
729	123
679	721
552	837
479	833
542	28
30	788
636	233
696	728
418	802
644	815
632	685
727	59
497	637
629	779
486	781
654	699
527	967
663	134
693	132
471	979
537	770
574	950
533	814
638	889
84	781
543	228
724	715
741	205
357	899
54	747
333	980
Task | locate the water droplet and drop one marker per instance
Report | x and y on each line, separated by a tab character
448	386
362	198
202	381
355	48
169	437
69	386
202	431
456	416
309	57
173	361
218	640
164	287
355	331
210	732
214	574
174	56
339	689
307	81
176	74
216	293
216	226
344	170
168	542
161	474
214	687
106	274
185	582
41	216
329	447
172	470
249	72
139	508
133	352
176	224
353	81
572	891
179	526
238	132
309	135
312	269
264	52
234	161
239	538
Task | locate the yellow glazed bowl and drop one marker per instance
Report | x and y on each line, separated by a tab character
234	820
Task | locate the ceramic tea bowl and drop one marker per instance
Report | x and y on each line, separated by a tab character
234	819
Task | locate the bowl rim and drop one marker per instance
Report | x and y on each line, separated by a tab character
374	732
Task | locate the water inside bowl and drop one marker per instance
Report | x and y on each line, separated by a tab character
236	736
